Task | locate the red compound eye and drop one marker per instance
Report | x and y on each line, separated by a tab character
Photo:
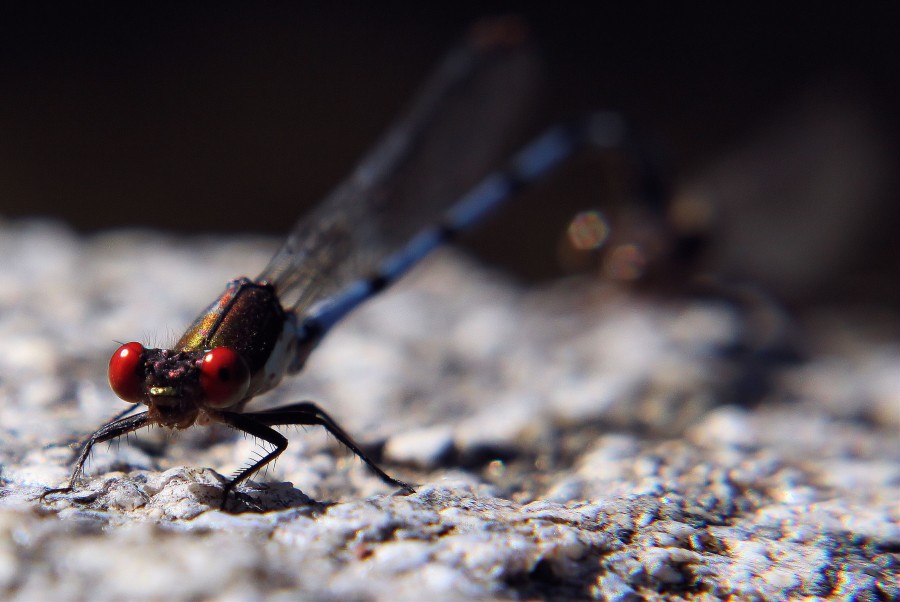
123	372
224	377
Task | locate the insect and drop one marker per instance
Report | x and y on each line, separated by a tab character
363	237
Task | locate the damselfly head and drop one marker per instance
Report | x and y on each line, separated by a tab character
217	378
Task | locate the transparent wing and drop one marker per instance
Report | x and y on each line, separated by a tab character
457	129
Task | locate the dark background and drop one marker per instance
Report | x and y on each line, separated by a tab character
233	117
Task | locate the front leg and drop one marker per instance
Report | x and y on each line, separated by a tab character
303	413
111	430
306	412
247	424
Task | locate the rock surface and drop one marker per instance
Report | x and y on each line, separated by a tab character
566	442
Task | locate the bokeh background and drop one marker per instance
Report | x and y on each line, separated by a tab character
233	117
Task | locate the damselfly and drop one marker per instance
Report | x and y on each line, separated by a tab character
364	236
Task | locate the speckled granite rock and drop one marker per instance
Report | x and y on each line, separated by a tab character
572	442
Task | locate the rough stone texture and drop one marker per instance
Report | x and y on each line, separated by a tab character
567	442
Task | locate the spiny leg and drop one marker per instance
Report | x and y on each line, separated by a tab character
302	413
306	412
111	430
245	423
